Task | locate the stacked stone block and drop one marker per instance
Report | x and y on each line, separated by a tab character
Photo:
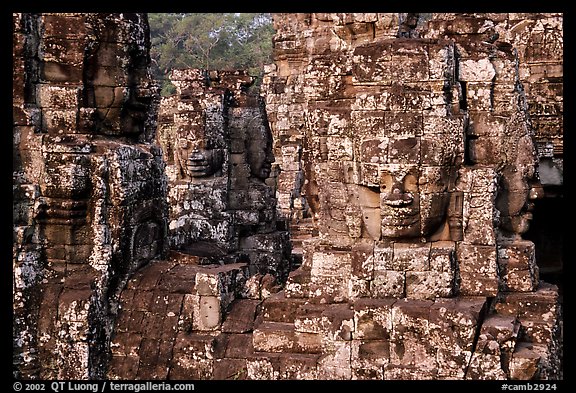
89	185
415	158
171	313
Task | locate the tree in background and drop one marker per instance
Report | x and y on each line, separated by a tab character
226	41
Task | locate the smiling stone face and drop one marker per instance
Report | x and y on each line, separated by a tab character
519	186
404	176
410	201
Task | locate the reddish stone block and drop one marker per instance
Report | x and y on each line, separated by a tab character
239	346
123	367
240	318
298	367
278	308
148	352
230	369
274	337
539	305
373	319
143	300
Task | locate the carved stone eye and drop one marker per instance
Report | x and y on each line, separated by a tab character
410	182
386	181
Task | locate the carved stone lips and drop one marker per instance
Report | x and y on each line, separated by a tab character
198	168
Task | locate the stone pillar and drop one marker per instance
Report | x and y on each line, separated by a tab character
98	184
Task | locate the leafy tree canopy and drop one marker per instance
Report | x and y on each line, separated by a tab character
226	41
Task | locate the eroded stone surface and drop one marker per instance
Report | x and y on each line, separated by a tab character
410	150
91	189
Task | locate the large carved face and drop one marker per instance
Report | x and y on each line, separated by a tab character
119	91
411	201
201	139
259	151
519	185
404	185
410	204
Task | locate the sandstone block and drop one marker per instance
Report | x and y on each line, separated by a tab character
525	363
410	316
240	318
278	308
207	313
238	346
388	283
261	369
429	285
274	337
373	319
229	369
411	257
299	367
336	364
517	267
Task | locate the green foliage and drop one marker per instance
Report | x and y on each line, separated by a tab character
226	41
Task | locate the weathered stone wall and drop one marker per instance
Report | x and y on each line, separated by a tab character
89	185
417	160
412	148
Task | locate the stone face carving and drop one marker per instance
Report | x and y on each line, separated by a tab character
520	185
199	120
419	167
202	162
259	148
409	199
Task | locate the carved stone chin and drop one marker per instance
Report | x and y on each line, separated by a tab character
204	163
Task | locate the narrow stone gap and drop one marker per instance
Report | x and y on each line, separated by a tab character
492	89
483	314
